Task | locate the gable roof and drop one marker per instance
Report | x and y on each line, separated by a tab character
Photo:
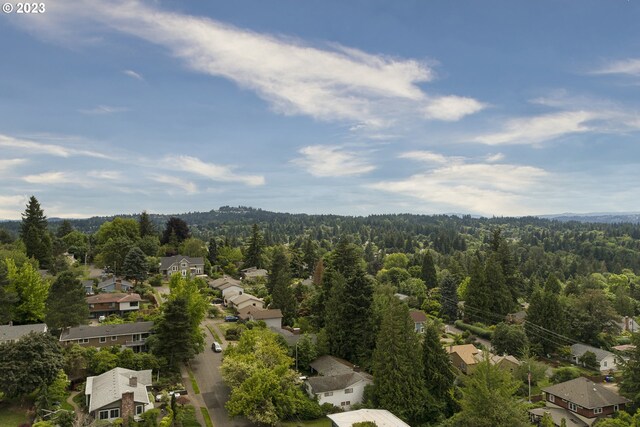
418	316
469	354
168	261
86	331
381	417
15	332
274	313
109	387
496	360
330	365
228	285
579	350
336	382
113	297
112	281
584	392
239	299
217	283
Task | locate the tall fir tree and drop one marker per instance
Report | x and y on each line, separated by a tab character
64	228
66	304
175	232
35	235
438	376
212	254
279	284
175	338
135	265
428	271
397	365
146	226
545	318
253	255
449	296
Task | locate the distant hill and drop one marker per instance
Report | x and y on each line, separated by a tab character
603	218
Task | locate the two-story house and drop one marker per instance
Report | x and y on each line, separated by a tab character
128	335
339	382
419	318
185	265
580	401
112	303
118	393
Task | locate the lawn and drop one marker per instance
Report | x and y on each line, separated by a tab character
13	413
323	422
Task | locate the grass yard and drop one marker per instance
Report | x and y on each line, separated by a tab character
13	413
323	422
194	383
207	418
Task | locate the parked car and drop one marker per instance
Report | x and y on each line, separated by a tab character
102	319
216	347
231	318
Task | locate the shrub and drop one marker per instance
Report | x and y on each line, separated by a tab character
476	330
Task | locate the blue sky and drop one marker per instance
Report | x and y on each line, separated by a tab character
359	107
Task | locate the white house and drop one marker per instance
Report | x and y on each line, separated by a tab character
606	360
272	317
230	289
339	382
242	301
118	393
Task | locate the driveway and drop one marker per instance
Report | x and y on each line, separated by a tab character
206	369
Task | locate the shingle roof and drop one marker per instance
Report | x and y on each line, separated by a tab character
239	299
337	382
87	331
15	332
467	352
331	365
112	297
109	387
224	280
584	392
167	262
418	316
580	349
558	414
267	314
381	417
228	285
112	281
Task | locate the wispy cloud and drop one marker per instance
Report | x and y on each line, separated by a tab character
6	164
33	147
222	173
329	82
493	158
103	110
133	74
427	156
630	66
326	161
173	181
50	178
105	174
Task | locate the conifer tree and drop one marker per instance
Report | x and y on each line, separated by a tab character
146	226
398	385
35	235
428	271
64	228
66	305
212	255
253	256
135	265
438	373
279	285
449	296
545	313
174	337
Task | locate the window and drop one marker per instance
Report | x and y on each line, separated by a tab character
604	363
572	407
329	393
115	413
348	390
174	268
84	341
139	409
103	415
183	265
551	398
347	403
135	337
114	338
133	304
597	411
616	407
103	339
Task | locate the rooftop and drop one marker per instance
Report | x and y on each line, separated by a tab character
15	332
109	387
112	297
580	349
337	382
87	331
584	392
381	417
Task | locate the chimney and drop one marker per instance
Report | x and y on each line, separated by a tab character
118	284
133	381
128	406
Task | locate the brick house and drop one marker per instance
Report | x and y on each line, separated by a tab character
128	335
112	303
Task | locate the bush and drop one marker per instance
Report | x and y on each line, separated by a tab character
156	280
565	374
476	330
233	333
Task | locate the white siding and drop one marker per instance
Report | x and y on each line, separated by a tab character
339	396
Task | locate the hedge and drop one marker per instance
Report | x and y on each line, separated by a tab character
476	330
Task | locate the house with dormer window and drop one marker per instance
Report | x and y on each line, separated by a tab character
184	265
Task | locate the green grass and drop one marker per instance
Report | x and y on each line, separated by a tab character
12	414
214	334
194	383
323	422
207	418
187	417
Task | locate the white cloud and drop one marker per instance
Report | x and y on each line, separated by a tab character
212	171
532	130
630	66
186	186
6	164
427	156
105	174
323	160
50	178
452	108
332	82
33	147
133	74
103	110
12	206
493	158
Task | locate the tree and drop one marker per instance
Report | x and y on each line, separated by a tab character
545	319
306	352
253	255
66	304
29	363
449	296
145	225
397	365
174	336
488	400
35	235
212	255
588	359
8	295
135	265
630	380
398	260
32	291
113	253
64	228
438	373
509	339
428	271
193	247
118	228
175	232
279	285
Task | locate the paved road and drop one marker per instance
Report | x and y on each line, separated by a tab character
206	369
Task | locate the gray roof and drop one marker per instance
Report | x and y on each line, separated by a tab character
239	299
87	331
228	285
167	262
112	281
558	414
337	382
109	387
579	349
381	417
584	392
217	283
331	365
113	297
11	333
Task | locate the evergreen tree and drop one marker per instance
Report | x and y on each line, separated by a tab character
135	265
66	305
146	226
310	254
35	235
174	333
253	255
64	228
509	339
398	385
501	298
630	382
545	317
428	271
279	285
175	232
318	272
438	373
212	255
449	296
478	301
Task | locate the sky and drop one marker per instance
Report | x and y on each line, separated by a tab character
494	108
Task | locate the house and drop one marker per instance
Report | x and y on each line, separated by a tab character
12	333
507	363
419	318
339	382
380	417
217	283
606	360
88	286
579	401
401	297
628	324
184	265
252	273
230	289
465	357
272	317
113	284
128	335
517	318
113	303
244	300
118	393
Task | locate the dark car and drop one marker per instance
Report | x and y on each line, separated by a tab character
231	318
